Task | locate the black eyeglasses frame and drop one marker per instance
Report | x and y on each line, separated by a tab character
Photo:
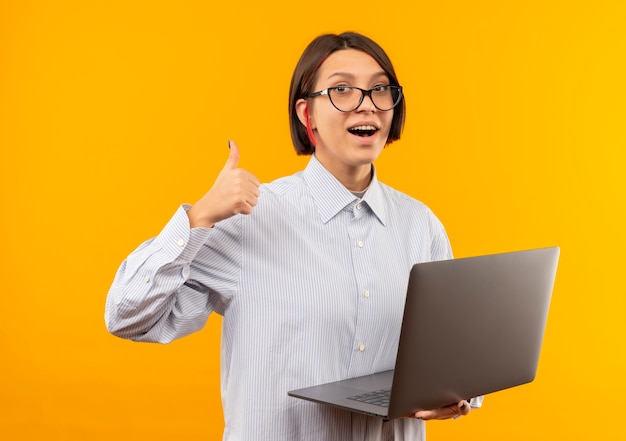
364	93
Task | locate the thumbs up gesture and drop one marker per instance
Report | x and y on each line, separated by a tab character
235	191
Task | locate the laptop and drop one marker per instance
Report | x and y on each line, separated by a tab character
472	326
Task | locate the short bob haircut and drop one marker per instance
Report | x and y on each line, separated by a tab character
305	76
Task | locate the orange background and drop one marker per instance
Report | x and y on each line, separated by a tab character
112	113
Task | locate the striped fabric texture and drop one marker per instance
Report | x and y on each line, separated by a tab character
311	287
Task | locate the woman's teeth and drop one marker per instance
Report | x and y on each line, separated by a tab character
363	130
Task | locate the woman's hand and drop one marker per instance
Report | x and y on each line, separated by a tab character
235	191
443	413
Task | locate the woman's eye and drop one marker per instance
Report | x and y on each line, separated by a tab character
381	88
342	89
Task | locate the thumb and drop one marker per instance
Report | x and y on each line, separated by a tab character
233	157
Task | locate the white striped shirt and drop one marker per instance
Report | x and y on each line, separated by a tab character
311	287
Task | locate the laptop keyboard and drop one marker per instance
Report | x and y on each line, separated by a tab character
378	397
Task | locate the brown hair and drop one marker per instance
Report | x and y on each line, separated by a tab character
305	73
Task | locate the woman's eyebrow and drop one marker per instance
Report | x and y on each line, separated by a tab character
351	76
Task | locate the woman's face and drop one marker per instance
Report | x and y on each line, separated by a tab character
340	146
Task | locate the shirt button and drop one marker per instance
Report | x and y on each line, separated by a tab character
360	244
361	347
359	206
146	279
366	294
180	243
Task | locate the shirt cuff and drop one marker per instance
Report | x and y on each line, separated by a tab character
179	240
477	402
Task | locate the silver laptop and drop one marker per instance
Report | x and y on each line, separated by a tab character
471	326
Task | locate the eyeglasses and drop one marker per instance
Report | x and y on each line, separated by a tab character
349	98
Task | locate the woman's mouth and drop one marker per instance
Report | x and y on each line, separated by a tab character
365	130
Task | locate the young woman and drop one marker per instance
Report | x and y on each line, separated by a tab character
309	271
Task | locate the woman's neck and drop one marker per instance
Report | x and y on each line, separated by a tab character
354	178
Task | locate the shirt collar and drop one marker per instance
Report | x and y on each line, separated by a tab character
331	196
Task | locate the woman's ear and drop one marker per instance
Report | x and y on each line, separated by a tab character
302	110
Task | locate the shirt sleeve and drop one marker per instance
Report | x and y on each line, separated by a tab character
150	299
440	244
